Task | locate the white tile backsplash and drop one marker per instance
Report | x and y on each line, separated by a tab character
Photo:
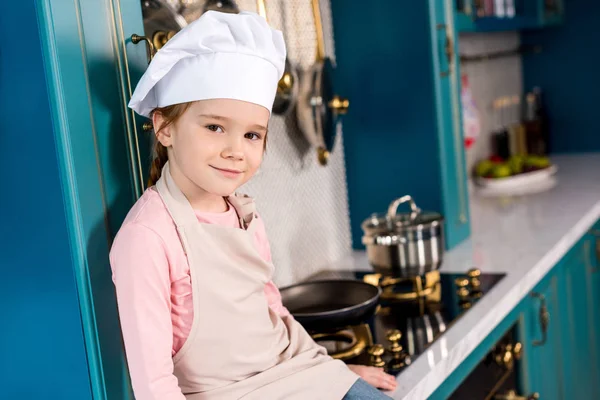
489	80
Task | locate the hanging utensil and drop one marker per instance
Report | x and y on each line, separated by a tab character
319	109
287	87
226	6
163	20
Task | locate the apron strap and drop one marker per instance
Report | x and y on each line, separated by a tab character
177	204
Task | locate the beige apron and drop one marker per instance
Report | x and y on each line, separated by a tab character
238	348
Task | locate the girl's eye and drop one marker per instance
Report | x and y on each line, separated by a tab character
253	136
214	128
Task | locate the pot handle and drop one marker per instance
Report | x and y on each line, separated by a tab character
393	208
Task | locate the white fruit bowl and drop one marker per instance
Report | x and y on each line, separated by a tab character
525	183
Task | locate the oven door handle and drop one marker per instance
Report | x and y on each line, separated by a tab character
544	318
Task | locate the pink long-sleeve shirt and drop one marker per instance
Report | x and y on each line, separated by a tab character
154	292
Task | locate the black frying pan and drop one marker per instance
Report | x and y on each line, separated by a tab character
326	305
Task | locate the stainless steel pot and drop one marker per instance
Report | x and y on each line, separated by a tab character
405	244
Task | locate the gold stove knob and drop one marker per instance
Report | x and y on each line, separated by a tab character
462	284
474	275
505	359
376	351
465	305
517	351
400	357
394	336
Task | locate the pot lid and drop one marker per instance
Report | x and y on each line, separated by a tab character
395	222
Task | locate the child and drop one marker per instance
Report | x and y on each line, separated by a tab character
200	316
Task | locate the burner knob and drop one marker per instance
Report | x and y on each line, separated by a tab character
462	284
465	305
401	359
517	350
394	336
376	351
474	275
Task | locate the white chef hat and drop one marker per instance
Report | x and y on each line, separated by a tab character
220	55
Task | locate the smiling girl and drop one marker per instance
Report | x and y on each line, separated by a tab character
200	315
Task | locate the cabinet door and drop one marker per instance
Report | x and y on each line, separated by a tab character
403	132
576	309
591	249
446	79
542	360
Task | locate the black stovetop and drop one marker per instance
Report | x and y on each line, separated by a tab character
421	322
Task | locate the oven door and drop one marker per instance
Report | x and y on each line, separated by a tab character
496	377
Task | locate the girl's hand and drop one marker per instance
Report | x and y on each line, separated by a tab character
374	376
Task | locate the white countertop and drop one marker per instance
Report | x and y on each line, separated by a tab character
523	237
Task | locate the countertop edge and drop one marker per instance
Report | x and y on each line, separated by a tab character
446	366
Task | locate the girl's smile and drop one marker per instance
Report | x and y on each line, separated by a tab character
229	173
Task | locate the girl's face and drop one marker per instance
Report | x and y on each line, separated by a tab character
216	145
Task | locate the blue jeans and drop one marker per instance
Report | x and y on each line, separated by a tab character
361	390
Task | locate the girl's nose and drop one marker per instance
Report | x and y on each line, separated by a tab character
234	149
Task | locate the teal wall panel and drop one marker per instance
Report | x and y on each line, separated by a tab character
41	344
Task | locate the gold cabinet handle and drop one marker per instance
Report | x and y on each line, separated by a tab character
544	317
135	39
512	395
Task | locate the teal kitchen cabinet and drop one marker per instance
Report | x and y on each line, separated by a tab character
402	135
561	327
579	341
514	15
542	362
591	265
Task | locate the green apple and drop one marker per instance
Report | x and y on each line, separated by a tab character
516	164
484	167
502	171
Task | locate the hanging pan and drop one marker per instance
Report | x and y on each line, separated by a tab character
319	109
287	88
